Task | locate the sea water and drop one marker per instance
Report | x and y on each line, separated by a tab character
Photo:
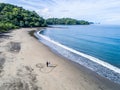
99	46
100	41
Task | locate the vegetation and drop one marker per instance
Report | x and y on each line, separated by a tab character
12	17
66	21
6	26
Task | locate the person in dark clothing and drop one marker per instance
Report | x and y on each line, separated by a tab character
47	63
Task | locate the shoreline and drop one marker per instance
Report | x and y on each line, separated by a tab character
83	68
102	68
32	57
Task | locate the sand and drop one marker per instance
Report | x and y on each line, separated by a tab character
23	67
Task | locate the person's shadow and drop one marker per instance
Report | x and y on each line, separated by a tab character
44	68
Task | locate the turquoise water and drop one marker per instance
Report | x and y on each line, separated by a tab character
100	41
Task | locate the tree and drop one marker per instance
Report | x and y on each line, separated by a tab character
65	21
21	23
19	17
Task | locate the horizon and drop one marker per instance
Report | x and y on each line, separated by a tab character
89	10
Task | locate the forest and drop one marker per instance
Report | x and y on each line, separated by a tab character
66	21
12	17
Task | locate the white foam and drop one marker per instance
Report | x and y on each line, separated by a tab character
96	60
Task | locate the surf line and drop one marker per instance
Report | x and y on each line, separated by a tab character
105	69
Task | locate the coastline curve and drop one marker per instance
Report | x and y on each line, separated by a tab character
100	67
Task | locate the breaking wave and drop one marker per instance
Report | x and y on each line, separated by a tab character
100	67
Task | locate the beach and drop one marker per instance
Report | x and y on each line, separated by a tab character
23	67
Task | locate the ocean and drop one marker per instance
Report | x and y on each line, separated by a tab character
96	47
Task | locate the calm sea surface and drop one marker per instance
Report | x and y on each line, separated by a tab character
100	41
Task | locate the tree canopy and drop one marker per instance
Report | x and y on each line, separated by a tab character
66	21
12	17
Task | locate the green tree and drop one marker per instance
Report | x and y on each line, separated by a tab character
21	23
65	21
19	17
